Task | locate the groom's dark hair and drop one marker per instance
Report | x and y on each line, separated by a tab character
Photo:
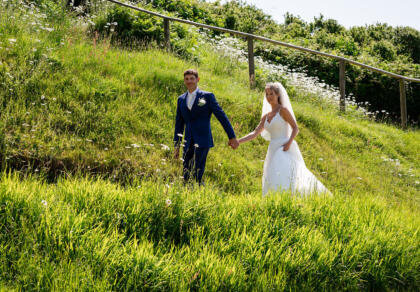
191	72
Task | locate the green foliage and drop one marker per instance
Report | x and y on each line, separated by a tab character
91	234
407	41
296	30
330	26
384	50
360	35
128	27
347	46
187	9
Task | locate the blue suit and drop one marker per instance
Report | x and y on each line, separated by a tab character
197	130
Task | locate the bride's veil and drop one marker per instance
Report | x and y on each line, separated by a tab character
285	102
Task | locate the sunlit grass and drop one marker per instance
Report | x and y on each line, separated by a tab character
77	107
170	237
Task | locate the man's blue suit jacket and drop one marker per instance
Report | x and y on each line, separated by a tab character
197	120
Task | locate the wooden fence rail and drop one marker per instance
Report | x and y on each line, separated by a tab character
251	38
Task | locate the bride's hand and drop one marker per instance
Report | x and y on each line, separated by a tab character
286	146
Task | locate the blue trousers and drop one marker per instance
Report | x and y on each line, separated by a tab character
194	162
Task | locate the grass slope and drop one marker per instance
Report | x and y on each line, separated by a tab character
73	106
84	234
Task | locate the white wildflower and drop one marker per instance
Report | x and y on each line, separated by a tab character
44	203
165	147
168	202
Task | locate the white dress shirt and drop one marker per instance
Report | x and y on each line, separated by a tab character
191	97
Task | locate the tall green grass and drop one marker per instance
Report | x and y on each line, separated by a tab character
89	234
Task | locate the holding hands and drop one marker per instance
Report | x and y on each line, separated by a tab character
233	143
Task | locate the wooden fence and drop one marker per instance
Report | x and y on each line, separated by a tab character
251	38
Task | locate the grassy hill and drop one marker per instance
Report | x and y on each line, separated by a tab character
94	199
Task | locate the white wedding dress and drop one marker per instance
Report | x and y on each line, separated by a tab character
286	170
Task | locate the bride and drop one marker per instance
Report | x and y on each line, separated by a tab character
284	167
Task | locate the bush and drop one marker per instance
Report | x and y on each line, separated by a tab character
347	46
407	41
385	50
126	27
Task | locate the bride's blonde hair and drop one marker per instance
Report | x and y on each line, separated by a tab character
274	87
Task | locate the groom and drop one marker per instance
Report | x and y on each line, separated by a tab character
194	109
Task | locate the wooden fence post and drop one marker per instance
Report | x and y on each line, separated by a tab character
251	63
166	28
342	77
403	104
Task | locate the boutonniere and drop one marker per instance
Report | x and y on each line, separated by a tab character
201	101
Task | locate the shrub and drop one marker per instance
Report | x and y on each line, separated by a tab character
126	27
407	41
385	50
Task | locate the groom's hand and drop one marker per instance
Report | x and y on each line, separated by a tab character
233	143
